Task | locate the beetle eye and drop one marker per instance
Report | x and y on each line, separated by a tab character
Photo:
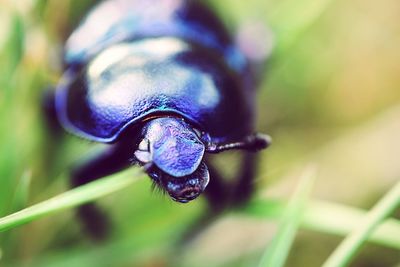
144	145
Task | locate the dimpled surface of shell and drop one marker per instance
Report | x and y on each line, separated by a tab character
131	81
116	21
131	60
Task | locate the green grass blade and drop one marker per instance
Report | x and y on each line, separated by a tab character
277	252
21	194
350	245
72	198
13	50
337	219
330	218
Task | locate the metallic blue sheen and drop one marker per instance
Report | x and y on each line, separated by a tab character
164	80
138	81
116	21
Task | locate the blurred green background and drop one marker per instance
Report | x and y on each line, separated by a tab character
330	96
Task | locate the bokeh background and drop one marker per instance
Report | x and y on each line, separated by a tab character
330	96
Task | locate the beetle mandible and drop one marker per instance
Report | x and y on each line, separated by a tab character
163	83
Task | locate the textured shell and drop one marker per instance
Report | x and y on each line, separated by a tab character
116	21
129	82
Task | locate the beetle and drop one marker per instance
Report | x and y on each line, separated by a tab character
163	83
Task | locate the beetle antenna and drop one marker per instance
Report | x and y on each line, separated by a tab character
252	142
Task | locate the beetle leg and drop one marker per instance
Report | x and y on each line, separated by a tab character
216	191
243	186
49	110
252	142
110	161
222	194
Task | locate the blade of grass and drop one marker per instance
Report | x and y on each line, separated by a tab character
72	198
22	191
351	244
330	218
340	220
13	51
276	253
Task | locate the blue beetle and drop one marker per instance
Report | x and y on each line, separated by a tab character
164	84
